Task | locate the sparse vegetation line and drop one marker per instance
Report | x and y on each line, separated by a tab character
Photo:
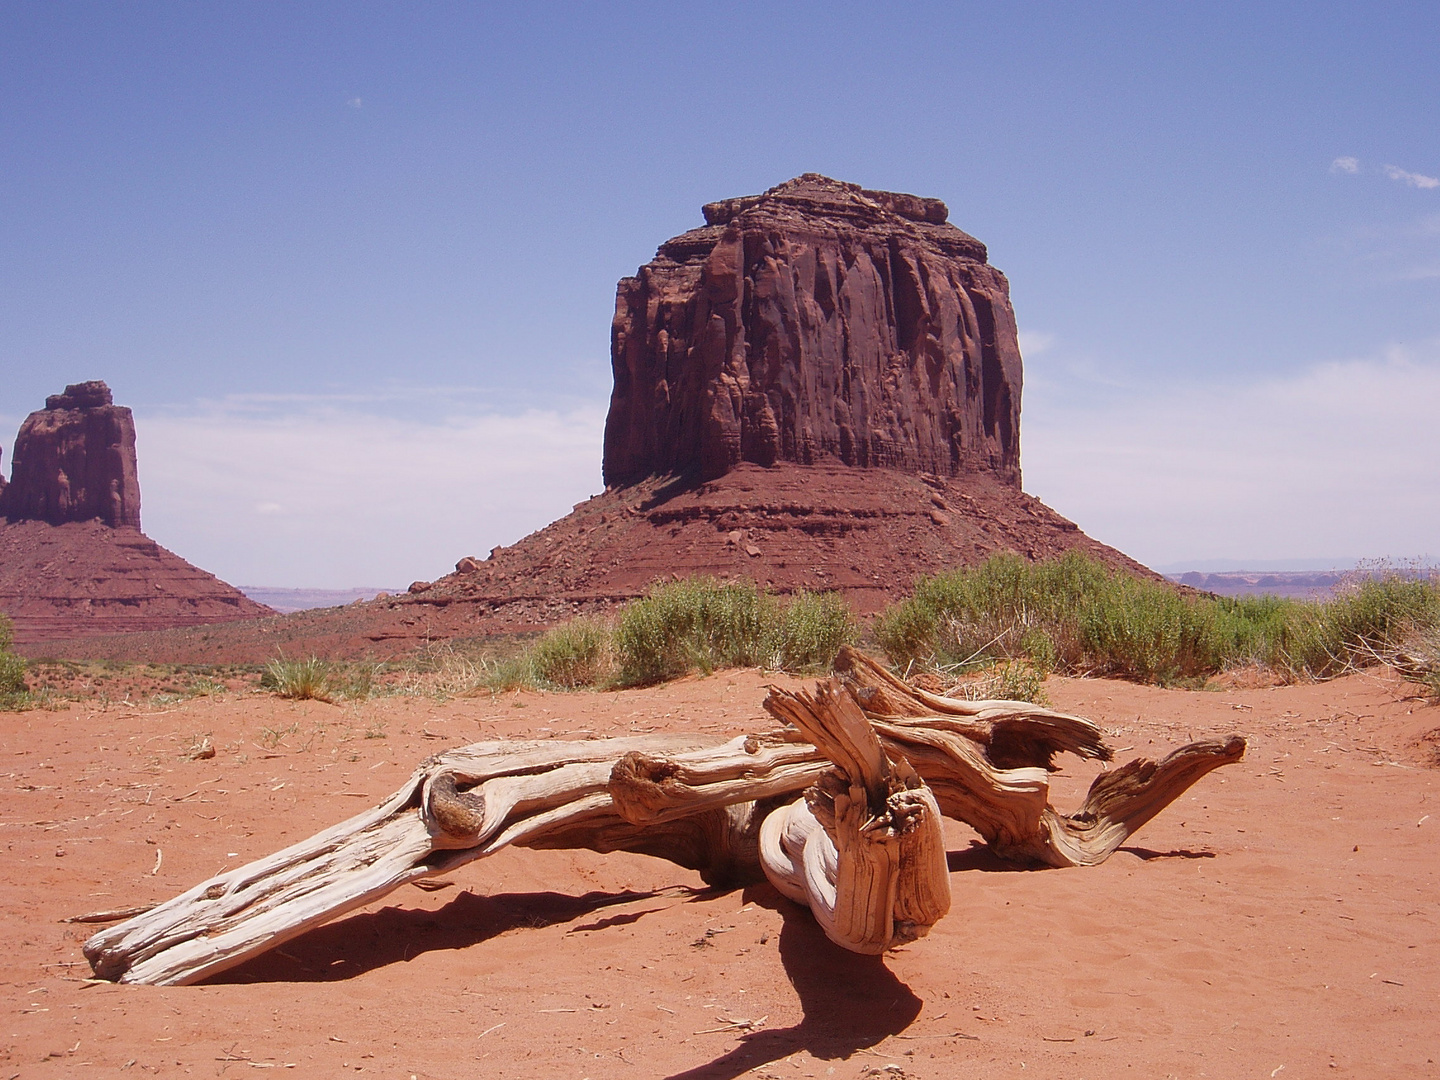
1076	616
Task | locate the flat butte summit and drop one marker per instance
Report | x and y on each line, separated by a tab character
819	388
73	560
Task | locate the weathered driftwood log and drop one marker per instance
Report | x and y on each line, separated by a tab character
875	879
543	794
864	847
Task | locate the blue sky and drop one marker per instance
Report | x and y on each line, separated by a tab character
353	265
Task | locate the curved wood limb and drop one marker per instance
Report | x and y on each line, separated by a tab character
864	849
1011	734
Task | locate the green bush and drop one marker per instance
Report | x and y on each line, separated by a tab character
705	624
301	680
572	655
1076	615
12	667
698	623
812	628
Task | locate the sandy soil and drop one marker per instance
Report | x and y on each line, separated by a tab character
1280	920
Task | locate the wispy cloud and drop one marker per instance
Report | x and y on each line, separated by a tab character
1035	342
1345	165
1335	459
331	495
1416	180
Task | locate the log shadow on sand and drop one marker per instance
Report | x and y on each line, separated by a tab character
850	1001
979	856
1146	854
350	947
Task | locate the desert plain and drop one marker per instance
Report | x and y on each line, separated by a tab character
1279	920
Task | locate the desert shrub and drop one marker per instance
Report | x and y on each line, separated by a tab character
12	667
356	682
812	627
705	624
571	655
301	680
1076	615
1369	617
1148	631
1417	658
499	674
697	623
1009	680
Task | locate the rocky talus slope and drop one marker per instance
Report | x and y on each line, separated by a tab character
86	577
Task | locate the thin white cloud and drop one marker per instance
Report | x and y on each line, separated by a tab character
355	102
1338	459
1345	165
330	497
1416	180
1035	342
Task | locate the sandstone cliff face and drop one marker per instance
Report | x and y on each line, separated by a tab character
74	460
818	322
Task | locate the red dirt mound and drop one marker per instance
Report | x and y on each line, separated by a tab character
57	581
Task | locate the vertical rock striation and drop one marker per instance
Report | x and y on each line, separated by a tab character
818	322
74	460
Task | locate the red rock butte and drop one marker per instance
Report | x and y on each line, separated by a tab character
818	323
817	389
74	460
73	560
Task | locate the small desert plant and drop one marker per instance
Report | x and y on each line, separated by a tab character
1417	659
812	627
572	655
705	624
697	623
12	667
358	681
499	674
1009	680
301	680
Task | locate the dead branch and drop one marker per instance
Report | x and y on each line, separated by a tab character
840	809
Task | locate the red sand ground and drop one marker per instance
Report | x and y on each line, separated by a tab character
1280	920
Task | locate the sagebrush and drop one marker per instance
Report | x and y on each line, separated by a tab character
12	667
1078	616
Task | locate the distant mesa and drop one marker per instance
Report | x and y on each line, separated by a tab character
74	460
818	389
73	560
